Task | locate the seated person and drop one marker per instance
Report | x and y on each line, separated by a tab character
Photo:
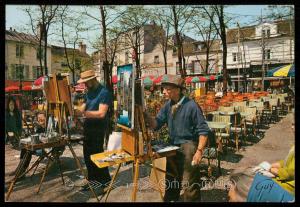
267	183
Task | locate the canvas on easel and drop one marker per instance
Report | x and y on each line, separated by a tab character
125	95
58	96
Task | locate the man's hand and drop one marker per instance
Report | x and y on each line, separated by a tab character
149	120
197	157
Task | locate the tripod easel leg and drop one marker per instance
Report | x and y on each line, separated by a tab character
59	165
81	169
112	182
135	180
16	176
157	181
43	176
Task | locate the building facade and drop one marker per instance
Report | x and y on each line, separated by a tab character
22	56
256	49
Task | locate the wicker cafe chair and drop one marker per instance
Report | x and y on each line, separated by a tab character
282	109
239	131
211	153
240	108
226	108
244	103
251	120
224	135
274	106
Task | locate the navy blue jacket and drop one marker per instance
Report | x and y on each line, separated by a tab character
187	124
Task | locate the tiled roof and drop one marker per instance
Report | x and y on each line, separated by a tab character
215	45
283	28
61	51
245	32
20	37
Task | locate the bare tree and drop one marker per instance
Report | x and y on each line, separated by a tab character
70	29
179	17
43	16
216	15
132	23
204	27
109	38
162	32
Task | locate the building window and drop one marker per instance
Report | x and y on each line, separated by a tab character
267	54
63	64
174	49
198	47
126	57
156	59
196	67
236	56
19	72
77	63
19	50
211	66
266	33
189	68
177	68
40	54
36	72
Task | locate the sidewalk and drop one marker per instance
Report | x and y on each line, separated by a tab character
275	145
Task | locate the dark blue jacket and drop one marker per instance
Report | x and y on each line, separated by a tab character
187	124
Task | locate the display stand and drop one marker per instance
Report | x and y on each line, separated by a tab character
59	106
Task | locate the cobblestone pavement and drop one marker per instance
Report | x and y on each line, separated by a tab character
275	145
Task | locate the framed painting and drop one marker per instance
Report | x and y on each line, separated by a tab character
125	95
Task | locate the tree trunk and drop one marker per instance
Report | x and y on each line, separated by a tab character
165	60
41	55
223	37
45	58
178	41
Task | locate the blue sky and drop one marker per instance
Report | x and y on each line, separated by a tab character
16	18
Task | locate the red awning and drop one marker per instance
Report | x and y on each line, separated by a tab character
27	88
17	83
188	79
212	77
11	88
202	79
114	79
158	79
39	81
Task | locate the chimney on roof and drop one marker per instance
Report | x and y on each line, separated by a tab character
82	47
